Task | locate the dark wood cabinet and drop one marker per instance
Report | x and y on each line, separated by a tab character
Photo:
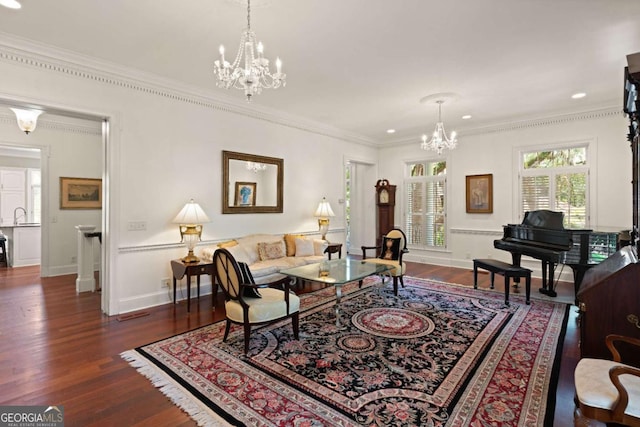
385	207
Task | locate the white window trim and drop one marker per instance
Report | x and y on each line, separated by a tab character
447	203
592	167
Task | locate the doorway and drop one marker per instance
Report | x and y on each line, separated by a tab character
74	134
359	182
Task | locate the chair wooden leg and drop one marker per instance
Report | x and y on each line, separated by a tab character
402	281
226	330
247	337
295	323
395	285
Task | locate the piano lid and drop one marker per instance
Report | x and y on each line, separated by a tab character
544	218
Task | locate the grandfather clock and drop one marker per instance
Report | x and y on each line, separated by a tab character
385	205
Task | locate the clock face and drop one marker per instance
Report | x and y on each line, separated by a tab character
384	196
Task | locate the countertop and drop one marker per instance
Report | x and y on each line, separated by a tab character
24	224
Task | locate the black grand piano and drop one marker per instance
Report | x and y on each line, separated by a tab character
542	236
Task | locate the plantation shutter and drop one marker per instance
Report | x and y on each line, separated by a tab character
415	212
535	193
435	213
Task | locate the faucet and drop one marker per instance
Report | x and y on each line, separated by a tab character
15	214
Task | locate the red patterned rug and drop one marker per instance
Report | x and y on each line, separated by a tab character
439	354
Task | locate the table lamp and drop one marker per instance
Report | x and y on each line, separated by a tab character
190	219
323	213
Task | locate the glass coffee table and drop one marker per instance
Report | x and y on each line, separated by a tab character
336	272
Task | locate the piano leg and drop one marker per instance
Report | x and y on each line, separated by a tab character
548	281
515	258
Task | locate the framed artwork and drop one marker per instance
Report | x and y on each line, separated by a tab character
245	193
80	193
480	193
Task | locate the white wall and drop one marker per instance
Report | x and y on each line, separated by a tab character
166	144
495	152
166	147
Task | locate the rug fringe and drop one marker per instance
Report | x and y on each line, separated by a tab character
202	415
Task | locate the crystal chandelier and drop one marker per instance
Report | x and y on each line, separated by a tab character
248	72
439	140
256	167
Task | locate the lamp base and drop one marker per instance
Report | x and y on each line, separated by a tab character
190	258
323	226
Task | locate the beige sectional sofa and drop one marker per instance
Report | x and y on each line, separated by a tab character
268	254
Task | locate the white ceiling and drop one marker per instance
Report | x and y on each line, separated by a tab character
363	65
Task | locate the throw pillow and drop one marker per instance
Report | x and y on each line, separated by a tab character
304	247
227	244
290	243
390	248
319	246
247	277
272	250
238	253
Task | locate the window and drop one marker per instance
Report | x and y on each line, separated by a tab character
557	180
425	191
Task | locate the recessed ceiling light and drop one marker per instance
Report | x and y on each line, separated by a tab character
391	131
578	95
11	4
466	117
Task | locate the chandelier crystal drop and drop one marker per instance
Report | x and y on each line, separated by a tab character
256	167
250	69
439	140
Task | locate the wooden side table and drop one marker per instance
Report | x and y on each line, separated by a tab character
333	248
179	270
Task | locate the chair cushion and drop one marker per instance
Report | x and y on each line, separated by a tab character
595	389
270	307
390	248
247	277
397	270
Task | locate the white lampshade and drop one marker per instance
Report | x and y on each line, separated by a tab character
11	4
191	213
27	119
324	209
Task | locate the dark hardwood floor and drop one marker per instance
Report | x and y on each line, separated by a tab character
57	348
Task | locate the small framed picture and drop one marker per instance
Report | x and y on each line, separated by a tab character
245	193
80	193
480	193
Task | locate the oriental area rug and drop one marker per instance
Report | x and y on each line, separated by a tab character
438	354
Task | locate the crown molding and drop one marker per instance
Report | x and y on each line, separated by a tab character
549	120
55	125
37	55
519	124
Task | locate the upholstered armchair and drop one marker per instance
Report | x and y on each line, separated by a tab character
249	304
393	246
609	391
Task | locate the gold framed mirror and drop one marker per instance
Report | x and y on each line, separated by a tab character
251	183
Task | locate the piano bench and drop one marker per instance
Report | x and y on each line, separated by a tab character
504	269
